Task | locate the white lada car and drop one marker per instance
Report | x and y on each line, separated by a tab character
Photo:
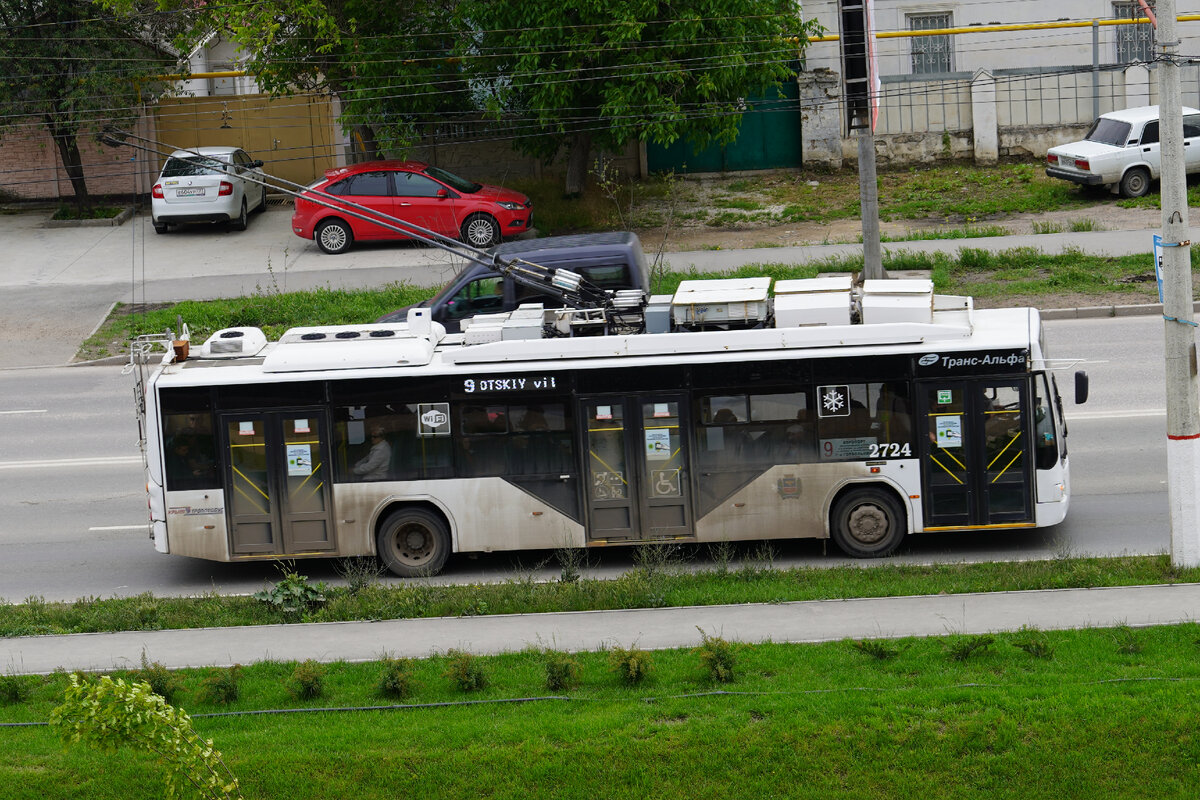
1121	151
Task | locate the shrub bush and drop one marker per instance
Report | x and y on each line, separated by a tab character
465	671
562	671
718	657
632	666
396	678
308	680
222	686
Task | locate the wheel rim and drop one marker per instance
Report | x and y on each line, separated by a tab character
480	232
1137	183
414	545
868	524
333	237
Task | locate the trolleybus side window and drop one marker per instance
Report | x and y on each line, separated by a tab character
864	420
1045	437
516	439
736	431
189	449
409	455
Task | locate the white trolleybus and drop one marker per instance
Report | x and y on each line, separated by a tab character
725	412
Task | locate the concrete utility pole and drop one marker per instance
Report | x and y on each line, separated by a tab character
858	88
1183	400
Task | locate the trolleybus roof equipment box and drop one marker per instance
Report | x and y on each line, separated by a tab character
812	301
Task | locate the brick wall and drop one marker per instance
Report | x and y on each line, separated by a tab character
30	167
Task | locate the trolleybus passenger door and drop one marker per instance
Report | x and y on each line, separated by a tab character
277	482
977	456
637	479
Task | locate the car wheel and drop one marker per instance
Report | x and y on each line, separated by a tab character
413	542
262	206
242	220
867	523
334	236
480	230
1135	182
161	227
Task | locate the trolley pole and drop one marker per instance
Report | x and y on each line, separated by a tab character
1183	400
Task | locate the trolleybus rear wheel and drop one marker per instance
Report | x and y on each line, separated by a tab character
867	523
413	542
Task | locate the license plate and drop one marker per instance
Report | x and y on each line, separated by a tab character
1066	161
192	192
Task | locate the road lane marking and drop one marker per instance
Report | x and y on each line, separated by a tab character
25	411
102	461
1150	412
141	527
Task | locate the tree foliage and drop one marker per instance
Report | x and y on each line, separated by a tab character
72	67
109	714
584	73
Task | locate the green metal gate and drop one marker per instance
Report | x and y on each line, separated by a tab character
769	137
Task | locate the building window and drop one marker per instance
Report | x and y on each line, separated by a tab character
1134	42
931	54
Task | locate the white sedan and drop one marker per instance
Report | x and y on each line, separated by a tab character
208	184
1121	151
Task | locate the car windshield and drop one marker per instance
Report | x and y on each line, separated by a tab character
194	165
1109	131
450	179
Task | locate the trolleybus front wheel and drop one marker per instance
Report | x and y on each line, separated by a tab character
867	523
413	543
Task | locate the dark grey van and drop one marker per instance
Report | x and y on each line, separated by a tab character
611	260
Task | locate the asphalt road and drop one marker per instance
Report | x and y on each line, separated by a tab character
73	509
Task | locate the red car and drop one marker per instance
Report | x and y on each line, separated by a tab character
415	192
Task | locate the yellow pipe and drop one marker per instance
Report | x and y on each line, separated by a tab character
1031	26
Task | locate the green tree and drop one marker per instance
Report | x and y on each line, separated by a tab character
109	714
583	74
72	67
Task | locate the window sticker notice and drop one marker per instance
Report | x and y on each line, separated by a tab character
433	419
949	431
245	429
833	401
658	444
302	426
662	410
603	412
299	460
945	397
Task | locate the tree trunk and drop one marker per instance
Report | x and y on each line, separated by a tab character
68	151
577	163
364	139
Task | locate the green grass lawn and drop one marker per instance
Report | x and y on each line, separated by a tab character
1101	713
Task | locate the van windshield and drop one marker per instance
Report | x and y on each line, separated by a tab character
1109	131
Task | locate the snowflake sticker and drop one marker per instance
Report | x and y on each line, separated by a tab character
834	401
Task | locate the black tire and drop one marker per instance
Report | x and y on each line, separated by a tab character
867	523
161	227
480	230
413	543
261	207
243	219
334	236
1135	182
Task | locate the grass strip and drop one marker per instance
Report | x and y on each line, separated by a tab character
1104	713
1021	272
661	579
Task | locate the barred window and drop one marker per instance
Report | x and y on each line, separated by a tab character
1134	42
931	54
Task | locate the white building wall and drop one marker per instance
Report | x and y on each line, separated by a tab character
991	51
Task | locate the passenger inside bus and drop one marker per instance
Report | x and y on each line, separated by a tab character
374	465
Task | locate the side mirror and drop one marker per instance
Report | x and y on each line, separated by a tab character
442	194
1081	387
256	164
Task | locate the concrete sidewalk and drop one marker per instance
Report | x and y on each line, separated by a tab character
815	621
